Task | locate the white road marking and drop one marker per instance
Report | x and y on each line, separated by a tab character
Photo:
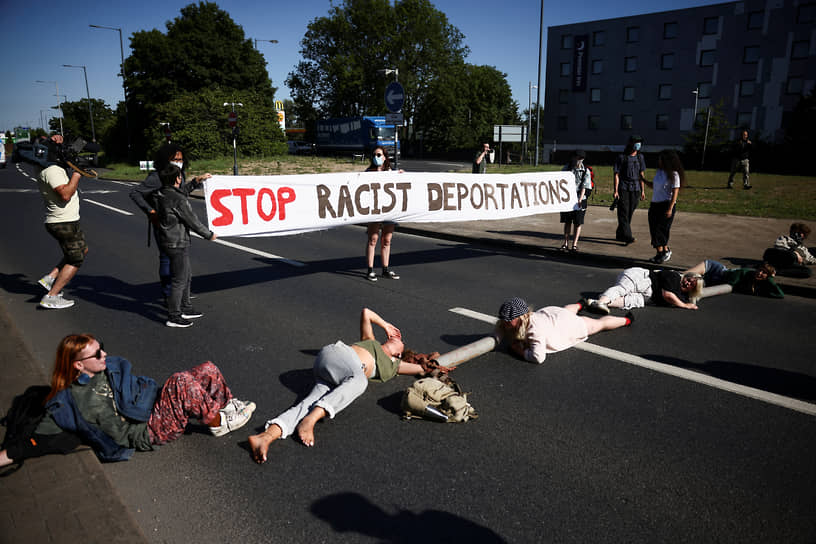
256	252
704	379
19	191
117	210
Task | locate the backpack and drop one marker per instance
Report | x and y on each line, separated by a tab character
430	398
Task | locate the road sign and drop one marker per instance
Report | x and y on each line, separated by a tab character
509	133
394	97
232	119
394	119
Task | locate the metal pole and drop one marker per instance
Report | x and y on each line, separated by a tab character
124	88
538	88
467	352
529	113
705	140
396	130
59	107
88	93
234	139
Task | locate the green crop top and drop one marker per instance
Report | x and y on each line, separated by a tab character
386	368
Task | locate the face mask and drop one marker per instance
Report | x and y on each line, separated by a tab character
180	165
379	160
637	146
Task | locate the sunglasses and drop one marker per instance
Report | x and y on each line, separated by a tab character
97	354
378	154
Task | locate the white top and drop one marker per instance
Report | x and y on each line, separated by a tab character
56	209
553	329
663	186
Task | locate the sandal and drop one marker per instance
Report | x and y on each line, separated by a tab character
574	248
564	247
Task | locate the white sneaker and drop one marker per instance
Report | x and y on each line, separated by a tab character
47	282
598	307
233	418
55	302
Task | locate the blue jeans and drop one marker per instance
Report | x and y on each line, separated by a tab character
340	378
714	272
182	274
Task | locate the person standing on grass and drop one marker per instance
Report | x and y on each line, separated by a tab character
740	159
666	184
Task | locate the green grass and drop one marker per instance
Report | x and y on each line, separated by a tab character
776	196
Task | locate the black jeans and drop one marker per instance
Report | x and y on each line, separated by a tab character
659	224
179	299
627	203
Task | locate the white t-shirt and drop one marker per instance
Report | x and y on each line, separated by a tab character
56	209
663	186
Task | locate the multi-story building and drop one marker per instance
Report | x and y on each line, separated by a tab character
654	74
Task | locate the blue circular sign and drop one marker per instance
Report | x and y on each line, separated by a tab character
394	97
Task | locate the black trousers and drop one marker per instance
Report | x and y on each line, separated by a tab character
627	203
659	224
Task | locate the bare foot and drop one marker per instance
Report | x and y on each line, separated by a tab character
260	442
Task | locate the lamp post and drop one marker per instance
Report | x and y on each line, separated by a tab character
234	134
59	104
269	41
121	73
538	87
529	113
387	72
88	93
696	93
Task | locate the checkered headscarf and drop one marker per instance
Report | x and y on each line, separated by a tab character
513	308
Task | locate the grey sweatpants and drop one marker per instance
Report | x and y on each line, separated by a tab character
633	285
340	378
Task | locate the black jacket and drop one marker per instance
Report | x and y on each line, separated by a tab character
176	218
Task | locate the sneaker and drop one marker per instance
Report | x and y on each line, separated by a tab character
631	317
390	274
656	258
665	256
178	322
371	276
233	418
190	314
47	282
747	186
598	307
55	302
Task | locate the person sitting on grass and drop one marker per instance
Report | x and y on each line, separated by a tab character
532	335
116	413
636	286
341	374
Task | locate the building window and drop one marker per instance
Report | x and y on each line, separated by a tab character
630	64
664	92
704	89
593	122
563	96
628	94
750	54
561	122
747	88
806	13
662	121
800	50
794	85
594	95
565	68
744	119
670	31
566	41
632	34
711	25
667	61
755	20
707	57
598	37
597	66
626	122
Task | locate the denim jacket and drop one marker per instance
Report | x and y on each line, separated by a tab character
134	397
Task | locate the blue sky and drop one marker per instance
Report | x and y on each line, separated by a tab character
39	37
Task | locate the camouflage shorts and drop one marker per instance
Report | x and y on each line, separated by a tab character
71	240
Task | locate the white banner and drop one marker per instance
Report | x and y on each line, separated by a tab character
281	205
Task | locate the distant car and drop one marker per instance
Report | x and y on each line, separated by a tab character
3	158
298	147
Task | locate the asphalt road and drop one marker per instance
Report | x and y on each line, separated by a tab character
584	448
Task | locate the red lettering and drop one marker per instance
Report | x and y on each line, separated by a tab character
215	200
243	194
285	196
267	192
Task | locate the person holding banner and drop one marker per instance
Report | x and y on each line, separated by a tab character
583	185
380	163
342	373
533	335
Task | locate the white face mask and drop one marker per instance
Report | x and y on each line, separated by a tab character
180	165
379	160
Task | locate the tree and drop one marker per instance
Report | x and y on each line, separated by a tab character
76	120
709	138
344	53
202	49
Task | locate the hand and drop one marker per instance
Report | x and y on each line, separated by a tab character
643	195
615	194
153	217
392	331
200	179
669	212
214	237
690	306
57	138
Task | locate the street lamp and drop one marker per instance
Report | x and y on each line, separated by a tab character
529	112
269	41
387	72
122	73
696	93
59	104
88	93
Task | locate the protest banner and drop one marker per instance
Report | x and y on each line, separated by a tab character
282	205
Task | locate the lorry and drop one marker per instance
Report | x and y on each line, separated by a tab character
357	135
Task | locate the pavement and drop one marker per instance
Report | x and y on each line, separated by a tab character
62	498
